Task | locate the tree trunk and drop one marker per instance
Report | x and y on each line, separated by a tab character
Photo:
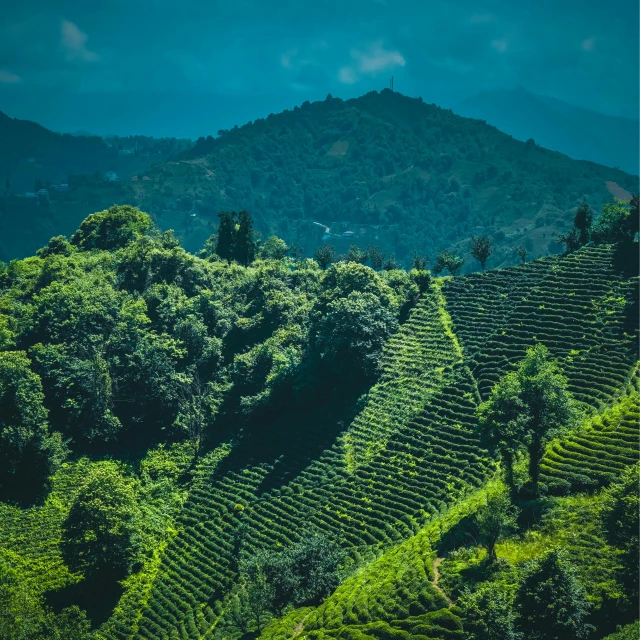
535	455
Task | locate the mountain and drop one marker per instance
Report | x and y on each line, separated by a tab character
33	158
281	451
392	170
580	133
383	169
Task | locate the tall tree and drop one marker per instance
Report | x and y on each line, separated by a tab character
582	221
100	534
481	248
244	249
551	602
621	523
495	520
419	262
376	257
521	252
527	407
324	255
226	235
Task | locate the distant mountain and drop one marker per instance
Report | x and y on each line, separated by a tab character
383	168
580	133
30	152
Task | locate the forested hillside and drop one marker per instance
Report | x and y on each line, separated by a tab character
70	169
251	443
381	169
391	169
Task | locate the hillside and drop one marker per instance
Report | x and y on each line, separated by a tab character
557	125
397	171
33	157
383	168
334	408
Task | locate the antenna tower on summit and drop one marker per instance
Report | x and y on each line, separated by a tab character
391	84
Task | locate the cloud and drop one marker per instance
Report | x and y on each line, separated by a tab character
347	75
588	44
375	59
73	42
286	58
6	77
499	45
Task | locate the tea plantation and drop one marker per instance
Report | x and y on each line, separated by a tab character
388	470
410	453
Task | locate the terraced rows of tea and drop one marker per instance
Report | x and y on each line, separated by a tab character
578	306
596	454
409	452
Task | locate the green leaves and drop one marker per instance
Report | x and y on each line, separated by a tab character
112	229
101	528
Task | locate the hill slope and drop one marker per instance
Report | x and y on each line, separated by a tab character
402	173
391	169
557	125
119	325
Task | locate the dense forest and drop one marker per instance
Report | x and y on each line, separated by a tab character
381	169
389	168
251	443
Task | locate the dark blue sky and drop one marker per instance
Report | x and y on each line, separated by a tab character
191	67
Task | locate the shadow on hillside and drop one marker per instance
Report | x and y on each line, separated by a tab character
97	596
295	431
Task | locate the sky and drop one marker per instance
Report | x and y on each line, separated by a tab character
191	67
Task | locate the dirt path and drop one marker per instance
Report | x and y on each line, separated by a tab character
436	577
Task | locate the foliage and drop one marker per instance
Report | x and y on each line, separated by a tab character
244	244
226	236
521	252
481	248
551	602
495	520
112	229
102	526
324	255
273	248
488	614
527	408
621	523
448	260
29	454
353	318
582	221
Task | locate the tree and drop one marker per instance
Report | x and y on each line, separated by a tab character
257	592
390	264
355	254
112	229
244	247
274	248
100	534
582	221
324	255
621	524
419	262
448	260
488	614
193	416
376	256
570	239
521	252
481	249
226	235
28	454
353	318
551	602
527	408
495	520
